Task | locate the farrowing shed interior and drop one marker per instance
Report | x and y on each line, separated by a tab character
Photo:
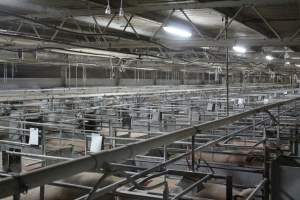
140	99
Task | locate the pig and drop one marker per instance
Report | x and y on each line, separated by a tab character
63	193
240	160
218	192
210	190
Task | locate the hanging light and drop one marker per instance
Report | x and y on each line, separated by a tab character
121	11
269	57
108	10
177	31
239	49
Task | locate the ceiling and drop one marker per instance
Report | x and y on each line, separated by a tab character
60	32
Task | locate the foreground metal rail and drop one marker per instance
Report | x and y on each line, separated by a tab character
25	181
258	187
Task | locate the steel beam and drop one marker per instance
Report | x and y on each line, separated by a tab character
203	5
178	44
25	181
43	12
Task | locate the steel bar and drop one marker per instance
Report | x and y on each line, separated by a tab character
229	195
189	188
99	28
35	30
29	180
109	22
202	5
193	153
192	24
132	27
227	67
70	185
295	34
39	156
229	23
40	13
163	24
56	31
266	22
261	183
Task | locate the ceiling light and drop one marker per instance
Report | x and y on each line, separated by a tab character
297	65
295	58
121	11
287	63
268	57
108	10
239	49
177	31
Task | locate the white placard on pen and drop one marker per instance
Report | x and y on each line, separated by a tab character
96	143
33	136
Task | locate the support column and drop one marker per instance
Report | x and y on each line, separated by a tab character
154	77
227	65
63	76
117	77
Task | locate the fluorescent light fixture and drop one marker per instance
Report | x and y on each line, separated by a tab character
287	63
121	11
107	10
269	57
176	31
297	65
239	49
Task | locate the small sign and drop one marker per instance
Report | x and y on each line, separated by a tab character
96	143
33	136
155	115
266	101
211	107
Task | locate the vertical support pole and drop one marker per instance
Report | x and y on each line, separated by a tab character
165	159
16	196
149	123
86	145
193	153
296	143
227	66
110	131
228	188
278	124
114	140
190	114
42	188
266	172
254	124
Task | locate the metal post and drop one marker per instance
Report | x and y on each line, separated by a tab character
278	122
254	124
228	188
16	196
227	65
110	133
266	173
149	125
193	153
165	159
86	145
42	188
